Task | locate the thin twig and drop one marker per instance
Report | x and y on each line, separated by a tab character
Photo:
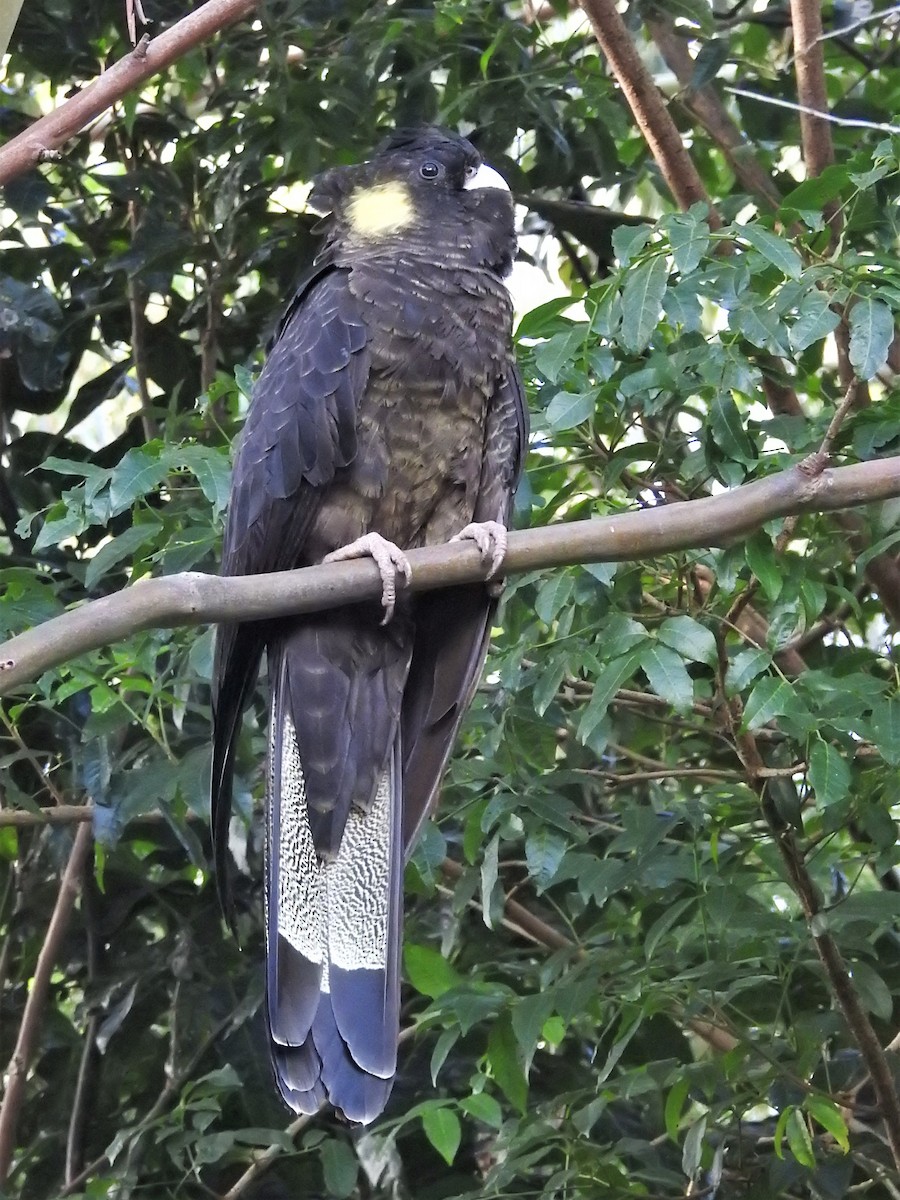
844	122
544	934
17	1072
840	982
170	1091
816	461
264	1159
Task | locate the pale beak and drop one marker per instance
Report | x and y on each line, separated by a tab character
486	177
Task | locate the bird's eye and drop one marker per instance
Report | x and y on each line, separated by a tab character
430	170
471	171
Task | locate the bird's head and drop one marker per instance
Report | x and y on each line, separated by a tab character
427	182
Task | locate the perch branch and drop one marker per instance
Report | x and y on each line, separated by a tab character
193	599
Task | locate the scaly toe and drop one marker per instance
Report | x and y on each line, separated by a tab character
491	538
390	560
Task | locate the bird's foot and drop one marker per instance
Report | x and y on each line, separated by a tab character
490	537
390	560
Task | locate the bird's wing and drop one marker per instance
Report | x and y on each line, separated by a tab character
453	625
301	429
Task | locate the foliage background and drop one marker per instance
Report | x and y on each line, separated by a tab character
657	750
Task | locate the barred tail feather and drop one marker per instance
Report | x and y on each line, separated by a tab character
332	939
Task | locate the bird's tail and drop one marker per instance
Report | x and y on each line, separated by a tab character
332	935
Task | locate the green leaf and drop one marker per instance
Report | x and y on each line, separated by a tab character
642	298
799	1140
774	249
545	319
628	1027
744	668
548	684
827	1114
442	1047
123	547
772	697
689	240
675	1105
692	640
558	352
780	1127
692	1154
568	409
212	471
829	773
710	59
667	675
871	334
502	1054
443	1130
136	475
873	991
761	327
553	595
340	1167
727	428
605	687
886	729
489	871
620	634
760	555
815	321
484	1108
629	240
544	851
816	192
93	475
57	529
428	970
528	1016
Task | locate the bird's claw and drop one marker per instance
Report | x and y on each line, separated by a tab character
390	560
490	537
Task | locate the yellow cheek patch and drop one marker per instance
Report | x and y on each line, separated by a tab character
381	210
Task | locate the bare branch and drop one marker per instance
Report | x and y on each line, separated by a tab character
264	1159
147	59
706	105
17	1072
194	599
648	106
809	66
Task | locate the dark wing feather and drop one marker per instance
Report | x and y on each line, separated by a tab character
301	429
453	626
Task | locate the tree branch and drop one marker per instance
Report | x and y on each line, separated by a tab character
17	1072
706	105
648	106
809	65
194	599
839	978
147	59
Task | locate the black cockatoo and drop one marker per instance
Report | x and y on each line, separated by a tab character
389	415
